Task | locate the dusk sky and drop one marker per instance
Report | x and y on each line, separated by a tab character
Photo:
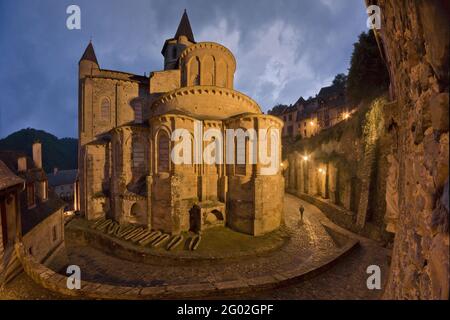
284	49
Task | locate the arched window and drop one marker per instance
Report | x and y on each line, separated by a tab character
195	72
221	74
134	212
138	153
241	157
163	152
174	52
138	112
105	109
208	70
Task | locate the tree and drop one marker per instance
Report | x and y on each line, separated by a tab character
340	79
59	153
368	75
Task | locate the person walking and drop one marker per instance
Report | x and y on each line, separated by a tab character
301	209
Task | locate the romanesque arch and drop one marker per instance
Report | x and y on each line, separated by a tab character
221	74
194	71
208	68
162	151
105	109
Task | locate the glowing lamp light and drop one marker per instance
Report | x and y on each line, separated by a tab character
346	115
305	158
311	123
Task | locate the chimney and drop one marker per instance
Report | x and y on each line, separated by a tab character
22	164
37	154
55	171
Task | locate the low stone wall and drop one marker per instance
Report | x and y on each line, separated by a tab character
344	218
58	283
340	216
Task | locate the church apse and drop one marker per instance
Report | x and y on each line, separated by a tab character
127	124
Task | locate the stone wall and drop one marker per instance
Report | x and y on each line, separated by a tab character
46	237
341	170
414	35
56	282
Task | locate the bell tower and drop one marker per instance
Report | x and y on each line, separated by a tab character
173	47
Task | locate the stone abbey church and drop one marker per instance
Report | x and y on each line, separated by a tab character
125	127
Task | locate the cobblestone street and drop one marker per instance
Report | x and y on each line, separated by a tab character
346	280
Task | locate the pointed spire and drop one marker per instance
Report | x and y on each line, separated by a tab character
89	53
184	28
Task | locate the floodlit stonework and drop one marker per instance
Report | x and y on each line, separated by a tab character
125	127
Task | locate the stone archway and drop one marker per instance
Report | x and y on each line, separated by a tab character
214	217
135	210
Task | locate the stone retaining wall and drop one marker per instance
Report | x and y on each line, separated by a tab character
58	283
414	35
342	217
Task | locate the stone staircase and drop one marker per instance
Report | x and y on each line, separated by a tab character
10	265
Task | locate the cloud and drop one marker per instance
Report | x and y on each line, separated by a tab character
284	49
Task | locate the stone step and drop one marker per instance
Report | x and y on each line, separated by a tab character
12	267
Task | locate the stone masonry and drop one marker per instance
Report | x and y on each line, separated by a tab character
414	36
126	123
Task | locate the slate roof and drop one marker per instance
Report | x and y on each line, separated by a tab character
89	54
7	177
300	101
62	177
327	92
184	28
10	159
310	106
332	96
32	217
43	209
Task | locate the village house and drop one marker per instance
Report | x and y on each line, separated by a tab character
308	117
10	188
30	213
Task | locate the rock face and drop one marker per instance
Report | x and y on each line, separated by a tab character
414	36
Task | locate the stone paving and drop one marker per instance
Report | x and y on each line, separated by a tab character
347	280
308	240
